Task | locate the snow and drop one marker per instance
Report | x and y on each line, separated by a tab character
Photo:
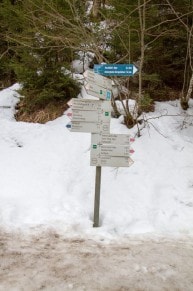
46	179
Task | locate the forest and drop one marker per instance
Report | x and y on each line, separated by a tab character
40	39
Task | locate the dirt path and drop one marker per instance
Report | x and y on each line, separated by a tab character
49	261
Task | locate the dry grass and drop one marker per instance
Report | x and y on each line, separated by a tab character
50	112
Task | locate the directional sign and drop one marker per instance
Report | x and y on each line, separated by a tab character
91	116
97	127
95	78
91	105
106	150
111	161
117	139
98	91
115	69
110	150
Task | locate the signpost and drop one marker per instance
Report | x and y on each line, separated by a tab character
107	150
115	69
97	196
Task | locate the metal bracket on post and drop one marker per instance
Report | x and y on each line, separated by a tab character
97	196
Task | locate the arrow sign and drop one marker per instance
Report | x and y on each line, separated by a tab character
110	161
98	91
82	126
110	150
93	77
91	116
106	150
115	69
115	139
91	105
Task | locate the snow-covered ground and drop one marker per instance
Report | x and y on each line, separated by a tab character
47	198
46	179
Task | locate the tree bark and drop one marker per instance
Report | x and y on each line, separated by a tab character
96	8
185	100
190	89
141	11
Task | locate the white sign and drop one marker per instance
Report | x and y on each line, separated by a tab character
82	126
98	91
111	161
98	79
118	139
92	105
106	150
91	116
110	150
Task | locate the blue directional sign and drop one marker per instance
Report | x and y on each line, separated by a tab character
115	69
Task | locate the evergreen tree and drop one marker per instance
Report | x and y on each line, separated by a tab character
7	53
42	61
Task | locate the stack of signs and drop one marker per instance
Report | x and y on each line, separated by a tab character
90	116
110	150
97	85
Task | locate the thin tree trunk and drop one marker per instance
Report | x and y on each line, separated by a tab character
184	100
141	10
190	89
96	8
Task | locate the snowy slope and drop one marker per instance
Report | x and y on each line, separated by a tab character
46	179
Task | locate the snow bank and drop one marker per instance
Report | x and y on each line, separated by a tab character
46	179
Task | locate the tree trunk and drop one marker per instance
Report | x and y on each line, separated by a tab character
96	8
141	11
185	99
103	3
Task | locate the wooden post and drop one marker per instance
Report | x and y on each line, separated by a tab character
97	196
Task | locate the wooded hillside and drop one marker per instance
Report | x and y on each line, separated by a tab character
40	39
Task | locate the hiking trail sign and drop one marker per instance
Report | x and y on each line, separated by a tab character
90	116
121	70
98	91
97	85
109	150
95	78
